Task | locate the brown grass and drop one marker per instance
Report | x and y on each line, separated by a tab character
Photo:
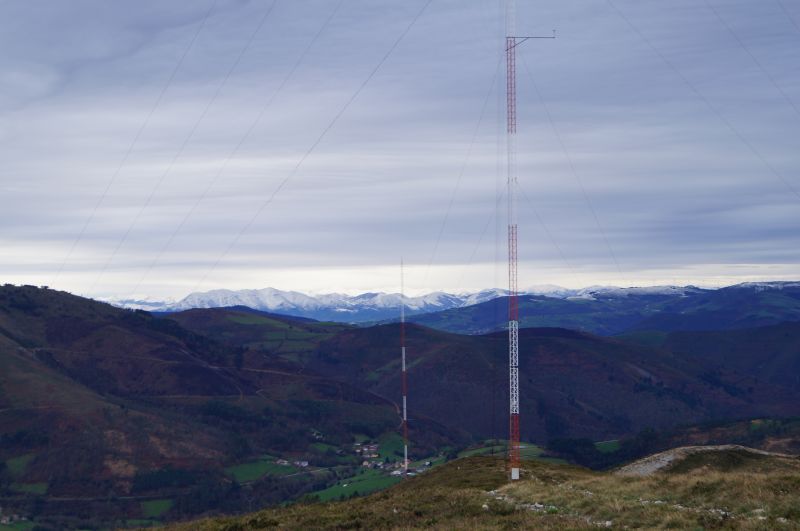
762	494
473	494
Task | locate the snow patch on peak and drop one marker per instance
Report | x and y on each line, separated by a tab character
550	290
139	303
613	291
766	286
470	299
262	299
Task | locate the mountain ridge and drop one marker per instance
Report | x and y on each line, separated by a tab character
379	306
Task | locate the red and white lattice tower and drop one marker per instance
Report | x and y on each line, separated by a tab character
513	301
404	377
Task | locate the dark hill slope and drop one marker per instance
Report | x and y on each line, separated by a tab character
98	402
768	354
770	434
65	407
258	336
573	384
604	315
730	308
111	350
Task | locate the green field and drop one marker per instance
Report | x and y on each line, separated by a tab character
434	461
18	526
30	488
296	345
322	447
527	451
530	451
363	483
483	450
155	508
255	470
391	446
256	320
607	447
18	465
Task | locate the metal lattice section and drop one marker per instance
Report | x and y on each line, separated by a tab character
514	435
511	85
513	363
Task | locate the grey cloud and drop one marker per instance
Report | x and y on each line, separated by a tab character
671	185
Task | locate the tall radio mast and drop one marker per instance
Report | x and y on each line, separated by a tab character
512	41
513	300
404	378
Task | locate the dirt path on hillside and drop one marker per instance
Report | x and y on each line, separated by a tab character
652	464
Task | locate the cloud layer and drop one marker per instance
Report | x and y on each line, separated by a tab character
652	146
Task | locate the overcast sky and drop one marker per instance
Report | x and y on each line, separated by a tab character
151	148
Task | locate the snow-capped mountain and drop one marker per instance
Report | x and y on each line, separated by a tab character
766	286
330	306
267	299
273	300
379	306
145	303
468	299
594	292
550	290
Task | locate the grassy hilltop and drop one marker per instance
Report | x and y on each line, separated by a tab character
722	489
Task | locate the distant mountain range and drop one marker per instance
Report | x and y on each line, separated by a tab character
336	307
600	309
